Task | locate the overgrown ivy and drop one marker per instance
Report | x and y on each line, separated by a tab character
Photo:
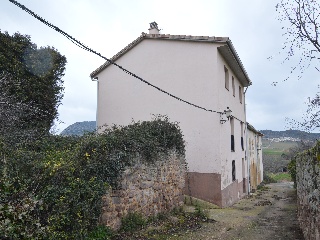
52	188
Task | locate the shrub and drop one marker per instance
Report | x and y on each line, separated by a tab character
268	179
56	184
132	222
293	171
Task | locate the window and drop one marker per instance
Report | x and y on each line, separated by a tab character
233	87
240	94
232	143
232	134
242	143
233	170
226	77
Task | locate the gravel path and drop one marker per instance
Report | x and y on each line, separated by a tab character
267	214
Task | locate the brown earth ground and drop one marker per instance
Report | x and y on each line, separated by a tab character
270	213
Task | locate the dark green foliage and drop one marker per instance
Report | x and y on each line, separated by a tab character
200	213
119	147
293	171
101	233
20	212
132	222
268	179
52	188
31	85
291	155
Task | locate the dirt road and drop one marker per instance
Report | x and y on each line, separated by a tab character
267	214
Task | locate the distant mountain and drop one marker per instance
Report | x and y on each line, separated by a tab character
79	128
290	134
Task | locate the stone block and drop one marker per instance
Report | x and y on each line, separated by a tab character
116	200
146	184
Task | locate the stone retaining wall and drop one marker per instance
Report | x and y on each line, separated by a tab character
146	188
308	183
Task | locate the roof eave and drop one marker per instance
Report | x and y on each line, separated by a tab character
232	58
250	127
118	55
162	37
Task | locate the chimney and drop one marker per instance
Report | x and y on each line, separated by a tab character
154	28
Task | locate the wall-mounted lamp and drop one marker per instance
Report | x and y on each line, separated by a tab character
225	115
223	118
94	79
228	113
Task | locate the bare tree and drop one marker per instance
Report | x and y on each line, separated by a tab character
301	31
310	119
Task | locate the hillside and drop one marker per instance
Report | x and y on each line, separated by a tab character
79	128
296	134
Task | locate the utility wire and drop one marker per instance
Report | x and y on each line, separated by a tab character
81	45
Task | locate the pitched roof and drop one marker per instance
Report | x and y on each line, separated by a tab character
250	127
227	51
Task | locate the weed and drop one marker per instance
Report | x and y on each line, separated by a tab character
200	213
101	233
132	222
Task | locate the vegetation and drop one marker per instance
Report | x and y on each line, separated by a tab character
280	177
292	153
272	154
163	226
31	86
132	222
297	134
52	188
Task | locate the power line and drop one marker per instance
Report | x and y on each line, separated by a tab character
81	45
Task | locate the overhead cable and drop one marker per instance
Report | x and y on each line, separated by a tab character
81	45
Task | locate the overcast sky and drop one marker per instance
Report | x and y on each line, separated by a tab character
109	25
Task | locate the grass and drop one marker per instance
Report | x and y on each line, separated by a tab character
280	177
272	152
283	146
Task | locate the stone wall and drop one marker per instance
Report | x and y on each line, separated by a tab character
308	183
147	188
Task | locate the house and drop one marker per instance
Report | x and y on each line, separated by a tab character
254	150
205	71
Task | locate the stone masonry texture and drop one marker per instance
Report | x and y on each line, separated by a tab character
308	183
146	188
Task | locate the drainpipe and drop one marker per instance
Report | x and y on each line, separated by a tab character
246	135
95	79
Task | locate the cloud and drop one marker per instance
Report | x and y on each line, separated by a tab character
109	25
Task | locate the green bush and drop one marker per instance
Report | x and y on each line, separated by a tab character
293	171
132	222
101	233
52	189
268	179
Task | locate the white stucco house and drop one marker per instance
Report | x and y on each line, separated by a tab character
254	155
205	71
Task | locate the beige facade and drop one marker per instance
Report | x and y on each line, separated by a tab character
254	149
205	71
